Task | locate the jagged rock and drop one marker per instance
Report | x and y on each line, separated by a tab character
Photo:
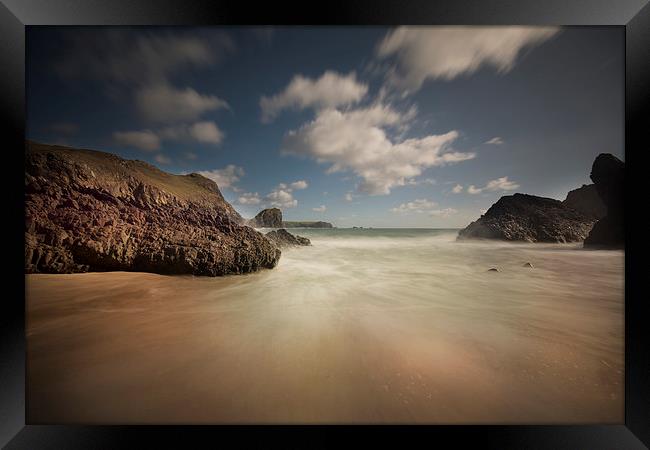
93	211
267	218
608	174
586	200
282	238
522	217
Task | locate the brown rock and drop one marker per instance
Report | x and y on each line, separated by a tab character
93	211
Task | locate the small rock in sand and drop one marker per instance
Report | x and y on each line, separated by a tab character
493	269
527	264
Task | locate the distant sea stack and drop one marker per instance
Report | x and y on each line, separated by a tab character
267	218
528	218
608	174
87	210
272	218
317	224
586	201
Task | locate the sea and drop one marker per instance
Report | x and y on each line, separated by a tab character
363	326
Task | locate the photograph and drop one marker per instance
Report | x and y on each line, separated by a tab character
325	225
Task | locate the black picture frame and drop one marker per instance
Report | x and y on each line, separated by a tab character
634	15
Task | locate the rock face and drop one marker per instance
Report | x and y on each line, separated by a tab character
608	174
317	224
93	211
267	218
586	201
522	217
282	238
272	218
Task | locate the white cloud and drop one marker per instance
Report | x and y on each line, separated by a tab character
495	141
330	90
226	177
417	206
457	189
162	159
446	52
500	184
357	140
207	132
348	197
249	198
165	103
282	195
300	184
321	209
444	213
281	198
144	140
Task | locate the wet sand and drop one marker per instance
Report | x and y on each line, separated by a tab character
370	329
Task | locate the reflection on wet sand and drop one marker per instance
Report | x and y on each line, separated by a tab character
365	329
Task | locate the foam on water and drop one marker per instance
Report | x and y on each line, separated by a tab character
366	325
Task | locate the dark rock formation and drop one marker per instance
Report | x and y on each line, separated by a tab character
527	264
267	218
317	224
282	238
522	217
608	174
586	201
93	211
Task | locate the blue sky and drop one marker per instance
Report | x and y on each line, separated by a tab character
366	126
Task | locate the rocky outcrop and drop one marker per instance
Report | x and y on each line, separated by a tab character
267	218
272	218
608	174
93	211
586	200
317	224
282	238
522	217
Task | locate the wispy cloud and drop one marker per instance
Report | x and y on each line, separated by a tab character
446	52
162	159
330	90
165	103
494	141
416	206
320	209
249	198
500	184
226	177
145	140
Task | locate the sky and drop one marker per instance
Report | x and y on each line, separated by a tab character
358	126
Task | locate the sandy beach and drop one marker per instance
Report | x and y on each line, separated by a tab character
379	326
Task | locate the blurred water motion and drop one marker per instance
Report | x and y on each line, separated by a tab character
365	326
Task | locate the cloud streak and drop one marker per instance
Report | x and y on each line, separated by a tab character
330	90
447	52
